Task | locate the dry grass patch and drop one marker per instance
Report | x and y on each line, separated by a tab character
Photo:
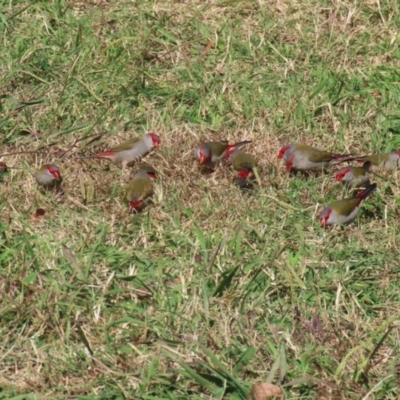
210	290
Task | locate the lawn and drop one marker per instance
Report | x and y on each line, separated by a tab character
210	289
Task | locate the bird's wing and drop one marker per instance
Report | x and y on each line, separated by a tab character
147	188
126	145
347	206
244	162
320	156
140	189
217	148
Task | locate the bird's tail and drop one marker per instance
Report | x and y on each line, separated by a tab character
236	146
367	192
107	154
339	158
359	159
87	157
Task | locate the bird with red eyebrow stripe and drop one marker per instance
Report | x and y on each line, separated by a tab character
300	157
244	164
127	153
211	153
48	176
354	176
345	211
387	160
139	191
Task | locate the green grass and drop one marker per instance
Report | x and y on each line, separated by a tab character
210	290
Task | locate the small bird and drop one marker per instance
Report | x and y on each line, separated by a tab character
48	176
125	154
3	168
388	160
244	164
139	190
345	211
144	166
211	153
354	176
300	157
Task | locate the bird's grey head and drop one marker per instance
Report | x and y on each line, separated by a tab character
203	153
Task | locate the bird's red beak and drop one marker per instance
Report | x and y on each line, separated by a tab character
282	152
339	177
324	220
289	164
56	174
156	140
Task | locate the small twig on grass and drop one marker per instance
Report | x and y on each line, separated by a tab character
256	174
96	137
281	203
382	177
214	256
77	203
23	152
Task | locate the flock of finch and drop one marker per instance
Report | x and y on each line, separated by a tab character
298	158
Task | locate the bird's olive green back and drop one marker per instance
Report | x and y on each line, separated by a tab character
243	161
319	156
345	206
139	189
359	171
126	145
217	148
